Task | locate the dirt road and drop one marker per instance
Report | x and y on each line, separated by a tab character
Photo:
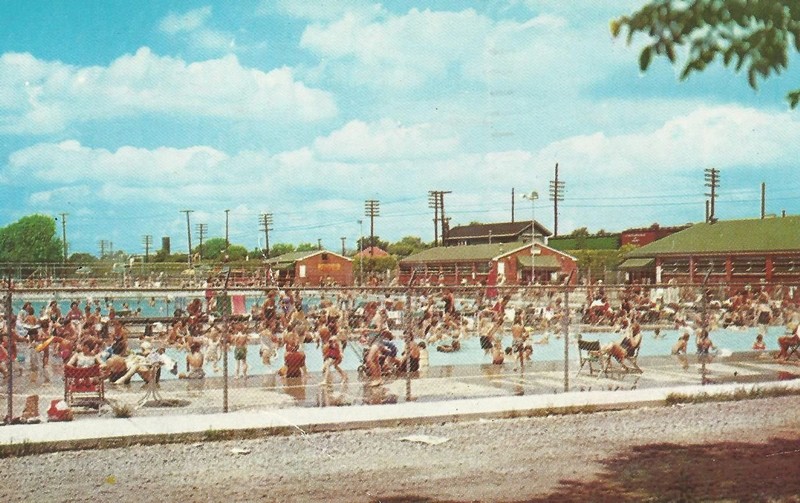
725	451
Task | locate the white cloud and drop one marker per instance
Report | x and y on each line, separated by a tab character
722	136
193	26
423	46
383	140
189	21
42	97
316	10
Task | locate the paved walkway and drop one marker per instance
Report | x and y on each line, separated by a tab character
266	405
96	431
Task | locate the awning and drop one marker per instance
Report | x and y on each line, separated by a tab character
637	263
543	262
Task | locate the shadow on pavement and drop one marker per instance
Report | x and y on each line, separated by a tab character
726	471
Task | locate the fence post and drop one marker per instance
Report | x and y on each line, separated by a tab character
565	322
225	341
10	351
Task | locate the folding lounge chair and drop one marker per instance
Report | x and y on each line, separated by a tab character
83	386
589	353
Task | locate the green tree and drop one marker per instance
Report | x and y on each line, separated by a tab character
306	247
236	252
30	239
408	245
280	249
82	258
364	242
213	248
756	35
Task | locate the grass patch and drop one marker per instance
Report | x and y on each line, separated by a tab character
121	410
731	396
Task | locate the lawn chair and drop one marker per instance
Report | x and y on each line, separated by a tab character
589	352
83	386
628	365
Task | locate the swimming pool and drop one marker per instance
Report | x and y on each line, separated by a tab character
472	354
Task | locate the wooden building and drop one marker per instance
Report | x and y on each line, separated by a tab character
502	232
727	251
311	268
483	264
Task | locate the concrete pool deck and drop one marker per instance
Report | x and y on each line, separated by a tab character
264	405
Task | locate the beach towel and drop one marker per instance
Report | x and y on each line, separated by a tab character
239	306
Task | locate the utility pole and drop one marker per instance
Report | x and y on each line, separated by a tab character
319	243
445	220
189	234
433	202
712	182
556	195
372	210
436	201
266	226
512	204
343	238
227	241
763	200
105	247
202	229
64	233
147	240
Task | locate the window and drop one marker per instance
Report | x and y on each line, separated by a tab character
302	271
324	256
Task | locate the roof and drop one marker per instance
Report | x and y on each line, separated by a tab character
494	251
496	229
465	253
636	263
292	257
375	252
549	262
725	236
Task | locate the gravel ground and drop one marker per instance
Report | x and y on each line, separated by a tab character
748	450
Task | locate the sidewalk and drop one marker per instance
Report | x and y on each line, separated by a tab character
115	432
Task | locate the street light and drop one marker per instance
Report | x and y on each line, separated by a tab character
532	197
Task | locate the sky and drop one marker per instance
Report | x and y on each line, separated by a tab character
121	115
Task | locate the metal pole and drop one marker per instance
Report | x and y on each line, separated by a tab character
225	342
565	323
10	349
361	253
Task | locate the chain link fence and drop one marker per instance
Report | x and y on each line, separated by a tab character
225	347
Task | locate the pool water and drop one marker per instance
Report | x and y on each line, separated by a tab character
472	354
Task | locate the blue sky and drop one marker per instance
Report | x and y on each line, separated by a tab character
123	114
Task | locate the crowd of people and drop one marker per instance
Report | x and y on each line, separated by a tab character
96	334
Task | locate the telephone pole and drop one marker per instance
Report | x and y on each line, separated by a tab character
372	210
712	182
64	233
266	226
147	240
103	247
202	229
436	201
189	234
343	238
556	195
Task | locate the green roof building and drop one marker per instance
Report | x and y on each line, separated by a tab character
730	251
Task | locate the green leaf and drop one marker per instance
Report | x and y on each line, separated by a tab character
644	58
